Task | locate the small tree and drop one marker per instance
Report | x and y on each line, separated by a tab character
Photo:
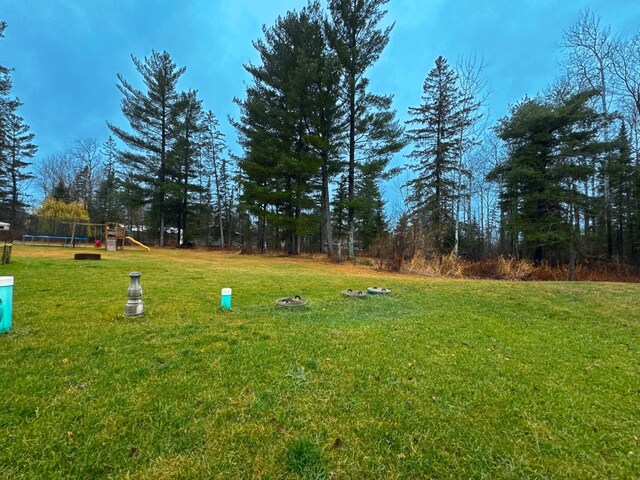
53	208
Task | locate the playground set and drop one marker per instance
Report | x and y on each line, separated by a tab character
112	235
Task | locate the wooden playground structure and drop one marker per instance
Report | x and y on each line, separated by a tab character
113	234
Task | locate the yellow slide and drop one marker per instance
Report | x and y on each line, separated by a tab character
135	242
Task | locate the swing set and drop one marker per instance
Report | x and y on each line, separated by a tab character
83	234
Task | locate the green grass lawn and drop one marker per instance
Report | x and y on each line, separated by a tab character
441	379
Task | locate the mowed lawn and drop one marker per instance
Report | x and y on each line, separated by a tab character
441	379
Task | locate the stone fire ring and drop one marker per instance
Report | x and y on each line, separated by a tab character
354	293
378	290
87	256
289	302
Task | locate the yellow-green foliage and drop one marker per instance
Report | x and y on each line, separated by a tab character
58	209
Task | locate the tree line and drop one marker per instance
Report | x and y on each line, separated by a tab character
557	179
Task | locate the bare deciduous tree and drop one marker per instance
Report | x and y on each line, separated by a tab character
590	59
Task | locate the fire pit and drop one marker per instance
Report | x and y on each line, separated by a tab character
87	256
378	290
290	302
354	293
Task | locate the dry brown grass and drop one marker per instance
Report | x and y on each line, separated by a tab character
589	273
447	266
511	269
516	270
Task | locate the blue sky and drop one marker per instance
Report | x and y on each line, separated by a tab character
66	53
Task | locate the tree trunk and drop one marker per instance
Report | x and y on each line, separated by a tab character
163	161
162	228
218	202
298	211
457	211
351	181
572	245
326	213
607	187
351	254
262	230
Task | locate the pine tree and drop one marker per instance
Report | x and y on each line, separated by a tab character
151	117
370	217
18	148
340	213
80	186
213	146
60	192
6	105
435	133
278	130
5	79
590	61
327	129
358	42
549	147
621	175
107	207
186	154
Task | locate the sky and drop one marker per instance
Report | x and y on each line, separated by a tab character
66	53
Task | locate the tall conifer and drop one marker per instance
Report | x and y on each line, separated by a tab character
434	131
152	120
358	41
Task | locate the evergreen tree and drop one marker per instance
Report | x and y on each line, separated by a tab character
186	154
17	149
5	78
621	175
60	192
358	42
327	131
435	133
151	116
79	187
213	146
6	106
591	57
549	147
107	206
370	217
277	128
